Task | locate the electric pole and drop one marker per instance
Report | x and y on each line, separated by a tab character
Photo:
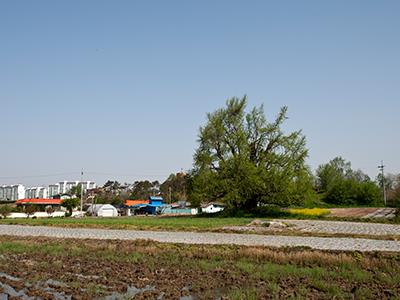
381	168
82	191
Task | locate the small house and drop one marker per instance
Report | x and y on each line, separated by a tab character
132	206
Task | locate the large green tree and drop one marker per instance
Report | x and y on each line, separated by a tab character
245	161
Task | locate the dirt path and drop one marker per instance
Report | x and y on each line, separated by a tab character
349	244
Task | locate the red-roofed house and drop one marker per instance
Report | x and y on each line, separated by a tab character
39	201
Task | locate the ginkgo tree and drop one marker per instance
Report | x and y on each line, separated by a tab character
244	160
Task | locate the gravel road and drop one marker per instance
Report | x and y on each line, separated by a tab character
350	244
344	227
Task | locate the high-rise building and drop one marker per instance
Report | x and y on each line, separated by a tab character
54	189
36	192
63	187
12	192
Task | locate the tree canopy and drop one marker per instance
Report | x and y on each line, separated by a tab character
245	161
174	188
341	185
144	189
70	204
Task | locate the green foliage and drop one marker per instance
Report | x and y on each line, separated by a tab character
144	189
30	209
5	210
175	187
245	161
112	185
337	169
344	186
351	192
76	190
70	204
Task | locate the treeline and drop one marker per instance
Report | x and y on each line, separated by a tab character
174	188
339	184
247	161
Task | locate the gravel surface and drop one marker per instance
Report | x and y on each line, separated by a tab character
350	244
344	227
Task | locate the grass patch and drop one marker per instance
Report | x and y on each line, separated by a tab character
243	293
137	223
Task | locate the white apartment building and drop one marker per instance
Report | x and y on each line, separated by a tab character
88	185
12	192
54	189
63	187
17	191
36	192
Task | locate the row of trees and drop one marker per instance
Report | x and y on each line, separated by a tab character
174	188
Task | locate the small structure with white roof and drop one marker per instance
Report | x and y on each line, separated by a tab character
102	210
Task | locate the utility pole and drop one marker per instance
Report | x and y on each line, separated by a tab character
82	191
381	168
170	194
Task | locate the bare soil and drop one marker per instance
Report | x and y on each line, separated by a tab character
351	212
93	269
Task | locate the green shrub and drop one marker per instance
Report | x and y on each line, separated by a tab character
351	192
5	210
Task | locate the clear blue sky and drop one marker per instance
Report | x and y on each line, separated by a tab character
121	87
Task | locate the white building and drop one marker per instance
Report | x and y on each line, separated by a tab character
88	185
54	189
102	210
12	192
18	191
63	187
36	192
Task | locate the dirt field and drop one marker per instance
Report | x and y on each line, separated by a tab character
87	269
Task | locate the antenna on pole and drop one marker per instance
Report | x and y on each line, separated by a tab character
381	167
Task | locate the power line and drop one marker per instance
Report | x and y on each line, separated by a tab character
78	173
118	174
38	176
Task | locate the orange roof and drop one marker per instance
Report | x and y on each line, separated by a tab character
39	201
136	202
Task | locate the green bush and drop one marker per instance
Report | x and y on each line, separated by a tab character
5	210
351	192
